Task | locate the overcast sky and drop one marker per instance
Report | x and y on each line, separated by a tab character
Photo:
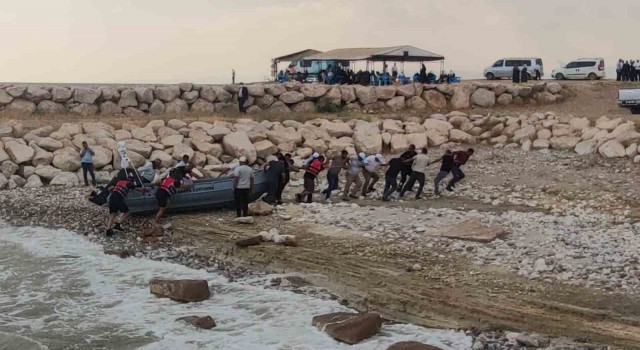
168	41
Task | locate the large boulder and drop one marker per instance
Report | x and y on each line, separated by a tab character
172	140
460	97
102	157
33	181
66	179
284	135
190	96
109	94
66	161
408	90
348	328
347	93
18	152
49	144
167	93
180	150
505	99
265	148
367	138
165	159
366	94
627	138
605	123
396	103
304	107
180	290
16	91
435	99
88	96
85	109
144	134
8	168
157	107
37	94
586	147
128	99
456	135
144	94
612	149
336	129
419	140
50	107
437	126
139	147
237	144
71	129
385	92
416	103
255	90
275	89
260	208
176	106
291	97
208	94
528	132
313	91
392	126
47	172
564	142
398	143
20	107
5	98
483	98
578	124
554	88
110	108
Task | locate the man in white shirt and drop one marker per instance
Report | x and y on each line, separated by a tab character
352	176
418	173
243	181
148	170
619	70
370	172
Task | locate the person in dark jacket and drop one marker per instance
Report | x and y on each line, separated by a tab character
632	71
524	75
626	68
243	95
423	74
460	158
516	74
274	170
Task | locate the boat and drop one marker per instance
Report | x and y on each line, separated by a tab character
205	194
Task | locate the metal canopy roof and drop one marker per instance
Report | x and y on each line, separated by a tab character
296	56
394	53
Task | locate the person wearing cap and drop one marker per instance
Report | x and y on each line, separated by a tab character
370	172
243	182
352	175
312	169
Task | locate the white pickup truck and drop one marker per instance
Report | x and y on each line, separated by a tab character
629	98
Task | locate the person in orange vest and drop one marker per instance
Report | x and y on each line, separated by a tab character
121	186
313	168
168	188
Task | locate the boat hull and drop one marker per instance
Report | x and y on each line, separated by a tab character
205	194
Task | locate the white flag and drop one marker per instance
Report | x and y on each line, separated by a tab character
124	159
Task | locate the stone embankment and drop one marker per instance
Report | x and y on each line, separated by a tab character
49	156
275	98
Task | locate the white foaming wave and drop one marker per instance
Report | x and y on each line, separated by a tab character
248	315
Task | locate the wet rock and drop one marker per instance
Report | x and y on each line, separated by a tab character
180	290
533	341
206	322
245	220
474	230
348	328
121	253
260	208
412	345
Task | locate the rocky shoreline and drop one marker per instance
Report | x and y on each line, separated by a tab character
284	98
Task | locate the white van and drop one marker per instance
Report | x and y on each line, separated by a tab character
503	68
582	68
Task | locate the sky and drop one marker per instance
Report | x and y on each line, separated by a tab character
199	41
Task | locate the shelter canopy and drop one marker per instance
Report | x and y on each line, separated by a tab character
405	53
296	56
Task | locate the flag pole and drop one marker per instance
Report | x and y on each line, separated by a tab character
125	162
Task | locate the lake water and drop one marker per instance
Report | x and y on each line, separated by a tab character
59	291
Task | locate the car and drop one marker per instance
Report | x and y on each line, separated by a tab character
629	98
582	68
503	68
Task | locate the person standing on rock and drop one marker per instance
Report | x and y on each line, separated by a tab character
625	71
516	74
391	177
418	173
423	74
243	95
619	70
370	172
352	175
275	171
233	76
86	156
312	168
460	158
445	169
407	159
394	72
537	69
168	188
524	75
288	167
333	175
243	182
